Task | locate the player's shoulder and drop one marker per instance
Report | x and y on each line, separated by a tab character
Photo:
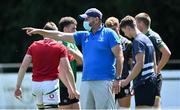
125	40
153	34
107	30
36	43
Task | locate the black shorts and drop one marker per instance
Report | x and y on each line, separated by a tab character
146	92
64	100
125	91
159	85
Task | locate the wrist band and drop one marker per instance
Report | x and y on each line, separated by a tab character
118	78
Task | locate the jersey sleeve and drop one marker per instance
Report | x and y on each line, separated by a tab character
157	41
113	38
29	50
138	47
79	36
63	51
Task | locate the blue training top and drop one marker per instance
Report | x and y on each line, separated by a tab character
98	58
142	44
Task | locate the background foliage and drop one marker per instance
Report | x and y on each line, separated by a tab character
16	14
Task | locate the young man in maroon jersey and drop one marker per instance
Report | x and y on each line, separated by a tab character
50	62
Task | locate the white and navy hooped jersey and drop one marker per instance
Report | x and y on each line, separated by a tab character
142	44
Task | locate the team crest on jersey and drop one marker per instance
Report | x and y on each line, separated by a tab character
86	40
51	96
101	39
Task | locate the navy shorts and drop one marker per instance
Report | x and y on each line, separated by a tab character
125	91
146	92
64	97
159	85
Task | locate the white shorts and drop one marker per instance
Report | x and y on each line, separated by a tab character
46	92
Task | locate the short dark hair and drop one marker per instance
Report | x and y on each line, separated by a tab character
50	26
65	21
128	21
144	17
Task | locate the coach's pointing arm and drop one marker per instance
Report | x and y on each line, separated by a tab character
57	35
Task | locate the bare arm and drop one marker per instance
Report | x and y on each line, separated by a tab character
57	35
25	64
118	53
66	76
140	57
155	63
166	53
77	55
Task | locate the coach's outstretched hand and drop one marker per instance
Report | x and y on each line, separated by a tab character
30	30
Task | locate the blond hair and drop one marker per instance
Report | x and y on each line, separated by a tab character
50	26
112	22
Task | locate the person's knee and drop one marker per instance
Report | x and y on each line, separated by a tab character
40	106
76	105
125	102
157	101
69	106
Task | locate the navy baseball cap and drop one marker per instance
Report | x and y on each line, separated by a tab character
92	12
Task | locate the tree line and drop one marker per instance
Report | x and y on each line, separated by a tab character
15	14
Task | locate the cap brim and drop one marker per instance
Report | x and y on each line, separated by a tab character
83	16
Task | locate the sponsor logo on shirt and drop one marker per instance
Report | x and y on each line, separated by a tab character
86	40
51	96
101	39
